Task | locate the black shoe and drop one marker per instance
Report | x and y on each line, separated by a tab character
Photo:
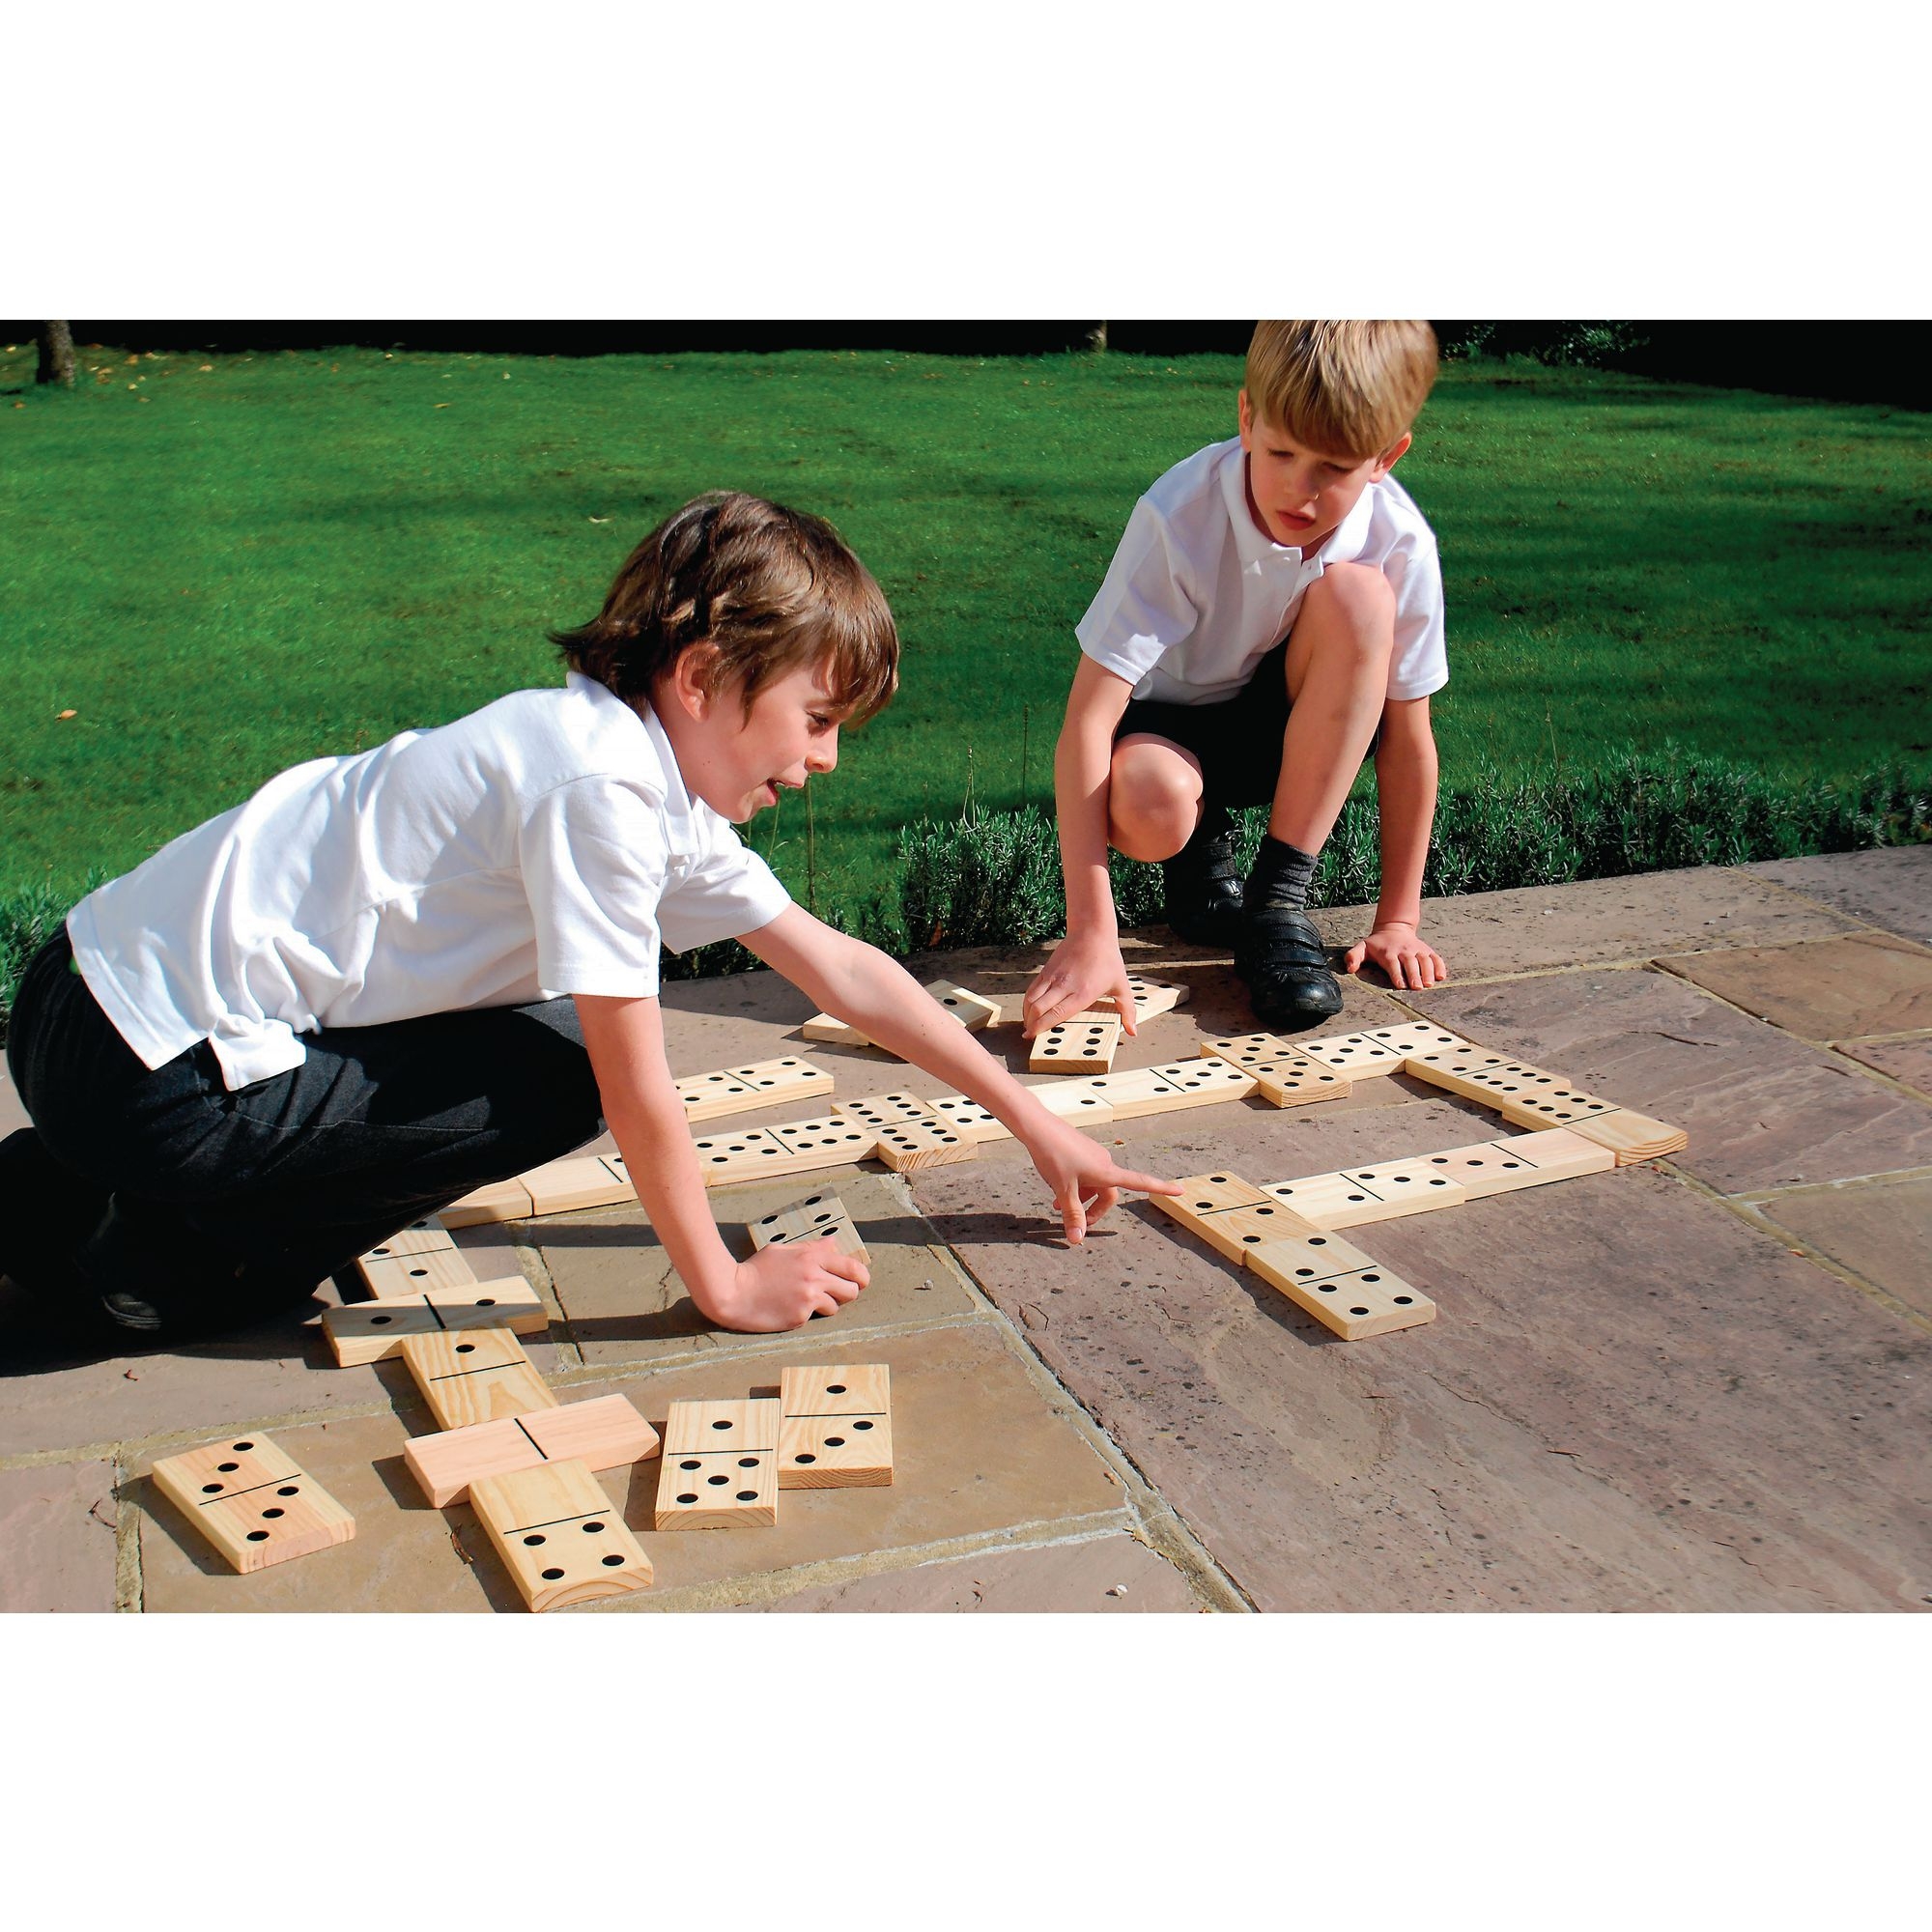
1284	967
1203	890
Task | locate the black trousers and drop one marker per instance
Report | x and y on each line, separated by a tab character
287	1181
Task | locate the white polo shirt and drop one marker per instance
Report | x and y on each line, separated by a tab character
1197	594
543	845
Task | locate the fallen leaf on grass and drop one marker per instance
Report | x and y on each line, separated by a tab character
66	714
600	520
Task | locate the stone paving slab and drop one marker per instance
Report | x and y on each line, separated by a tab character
1879	1229
1762	1110
626	1303
1111	1575
1890	888
1827	990
1541	928
1906	1060
978	1453
1630	1399
57	1529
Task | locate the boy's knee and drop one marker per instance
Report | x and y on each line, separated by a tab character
1360	597
1152	806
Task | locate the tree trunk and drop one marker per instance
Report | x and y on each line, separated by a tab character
56	340
1097	337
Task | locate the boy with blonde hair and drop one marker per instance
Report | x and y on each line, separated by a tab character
1274	612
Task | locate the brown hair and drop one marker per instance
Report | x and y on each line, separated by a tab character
1346	388
770	588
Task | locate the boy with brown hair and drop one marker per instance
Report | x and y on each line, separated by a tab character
1274	612
388	978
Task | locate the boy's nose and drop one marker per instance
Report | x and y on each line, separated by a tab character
824	755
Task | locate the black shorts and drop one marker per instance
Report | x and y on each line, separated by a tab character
1237	741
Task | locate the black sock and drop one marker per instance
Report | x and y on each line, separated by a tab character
1281	877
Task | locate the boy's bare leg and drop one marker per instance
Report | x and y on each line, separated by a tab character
1158	809
1337	673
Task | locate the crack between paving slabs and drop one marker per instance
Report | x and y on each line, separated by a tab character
1170	1536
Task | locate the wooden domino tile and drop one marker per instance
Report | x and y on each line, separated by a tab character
604	1432
1284	1076
737	1087
972	1010
906	1145
879	1110
1203	1081
559	1534
474	1374
392	1275
754	1154
1230	1216
1346	1200
1522	1160
829	1031
1316	1256
835	1139
835	1428
1137	1091
720	1467
1154	997
1459	1069
427	1236
970	1121
1357	1054
1075	1101
1368	1302
811	1219
1630	1136
1083	1044
253	1501
1416	1036
1411	1186
372	1331
481	1206
582	1181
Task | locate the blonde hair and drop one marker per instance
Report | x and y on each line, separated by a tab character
769	589
1347	388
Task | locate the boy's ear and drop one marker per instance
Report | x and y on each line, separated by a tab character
1246	416
690	689
1389	457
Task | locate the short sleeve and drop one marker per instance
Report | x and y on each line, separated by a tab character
1143	609
727	893
1420	662
594	867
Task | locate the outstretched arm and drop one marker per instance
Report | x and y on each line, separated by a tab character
778	1288
859	985
1086	965
1405	777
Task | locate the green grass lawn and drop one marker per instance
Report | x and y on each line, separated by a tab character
222	565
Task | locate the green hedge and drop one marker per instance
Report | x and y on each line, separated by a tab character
992	878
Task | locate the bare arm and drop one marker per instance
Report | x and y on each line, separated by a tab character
778	1288
858	984
1087	965
1405	784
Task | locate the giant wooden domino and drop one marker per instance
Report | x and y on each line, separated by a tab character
559	1535
255	1503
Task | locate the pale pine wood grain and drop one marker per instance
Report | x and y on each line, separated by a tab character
1371	1301
697	1428
906	1145
834	1452
373	1331
559	1535
603	1432
1077	1045
849	1389
253	1501
475	1375
415	1274
481	1206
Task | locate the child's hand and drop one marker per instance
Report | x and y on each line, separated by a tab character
1409	960
1082	973
1084	1180
783	1287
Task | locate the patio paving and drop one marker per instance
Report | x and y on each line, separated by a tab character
1698	1384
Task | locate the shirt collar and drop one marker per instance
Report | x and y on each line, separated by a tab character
649	754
